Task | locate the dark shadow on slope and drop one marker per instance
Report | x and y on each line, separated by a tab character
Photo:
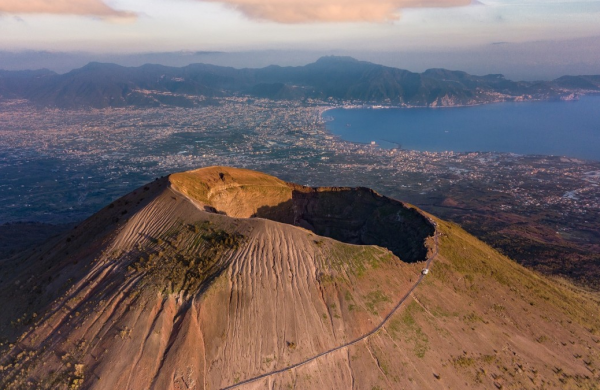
356	216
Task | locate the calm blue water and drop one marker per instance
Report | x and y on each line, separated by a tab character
551	128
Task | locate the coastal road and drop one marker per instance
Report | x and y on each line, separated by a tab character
355	341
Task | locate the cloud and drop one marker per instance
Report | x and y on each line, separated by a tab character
63	7
306	11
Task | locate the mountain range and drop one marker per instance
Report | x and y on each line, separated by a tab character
223	278
339	79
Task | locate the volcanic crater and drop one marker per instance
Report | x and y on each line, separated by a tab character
357	215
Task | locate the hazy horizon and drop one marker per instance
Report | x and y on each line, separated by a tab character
543	60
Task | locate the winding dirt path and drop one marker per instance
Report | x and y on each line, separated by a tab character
355	341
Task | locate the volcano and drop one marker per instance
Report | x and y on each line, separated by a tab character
223	278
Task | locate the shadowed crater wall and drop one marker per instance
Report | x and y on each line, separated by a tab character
356	216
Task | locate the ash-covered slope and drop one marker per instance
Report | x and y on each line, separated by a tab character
209	278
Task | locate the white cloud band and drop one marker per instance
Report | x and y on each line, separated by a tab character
306	11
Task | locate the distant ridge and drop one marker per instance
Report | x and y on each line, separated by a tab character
102	85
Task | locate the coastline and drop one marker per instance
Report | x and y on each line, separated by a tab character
512	131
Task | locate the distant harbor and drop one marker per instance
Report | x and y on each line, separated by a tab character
559	128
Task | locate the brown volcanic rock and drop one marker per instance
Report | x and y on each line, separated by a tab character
176	286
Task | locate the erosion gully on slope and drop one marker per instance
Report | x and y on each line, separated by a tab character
428	263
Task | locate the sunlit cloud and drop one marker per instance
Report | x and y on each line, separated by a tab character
307	11
95	8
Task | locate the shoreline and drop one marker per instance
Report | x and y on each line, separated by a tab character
456	123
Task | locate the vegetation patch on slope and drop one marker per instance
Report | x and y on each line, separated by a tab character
184	257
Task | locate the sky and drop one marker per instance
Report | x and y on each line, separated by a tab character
362	26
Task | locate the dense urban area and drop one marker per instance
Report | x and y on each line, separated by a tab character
60	166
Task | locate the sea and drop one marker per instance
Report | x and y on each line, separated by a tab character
558	128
